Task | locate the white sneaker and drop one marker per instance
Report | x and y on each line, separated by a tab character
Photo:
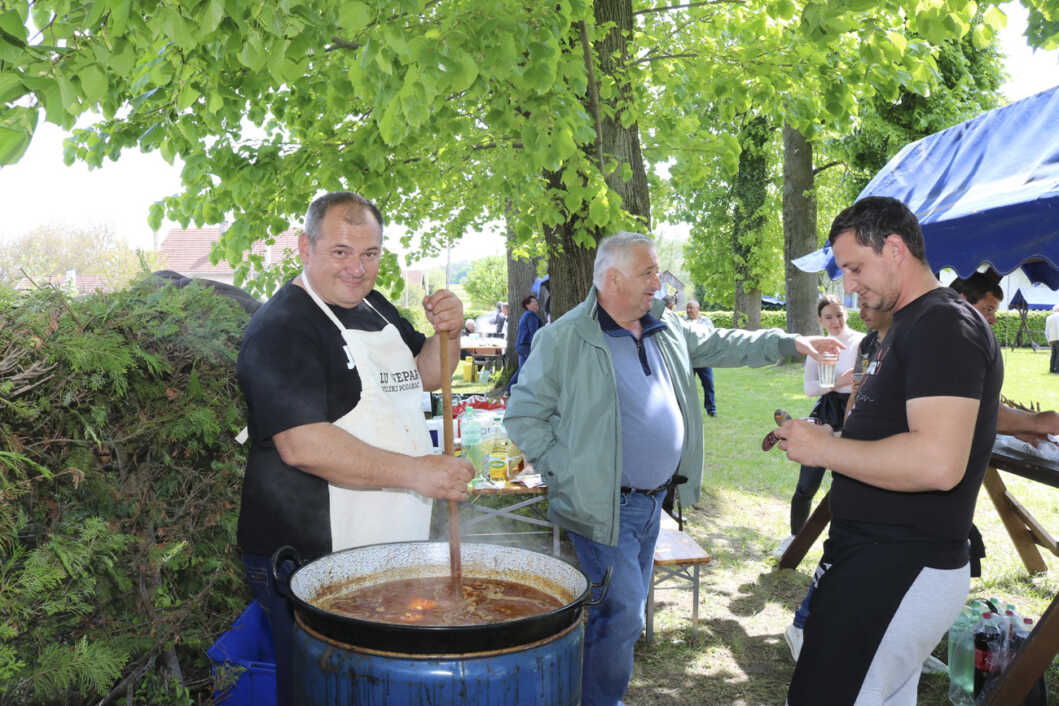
778	554
793	636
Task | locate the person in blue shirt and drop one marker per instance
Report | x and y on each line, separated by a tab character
527	326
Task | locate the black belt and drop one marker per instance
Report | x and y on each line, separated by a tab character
625	490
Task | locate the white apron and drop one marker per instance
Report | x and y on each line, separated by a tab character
389	416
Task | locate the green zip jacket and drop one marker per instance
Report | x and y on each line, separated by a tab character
563	412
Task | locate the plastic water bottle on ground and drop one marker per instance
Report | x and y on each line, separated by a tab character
961	658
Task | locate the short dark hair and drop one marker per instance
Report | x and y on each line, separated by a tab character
527	299
873	218
978	285
321	205
827	300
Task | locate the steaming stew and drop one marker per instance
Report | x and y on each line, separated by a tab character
439	601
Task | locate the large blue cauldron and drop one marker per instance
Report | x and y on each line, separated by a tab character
339	660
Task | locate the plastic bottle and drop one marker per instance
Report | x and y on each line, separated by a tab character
988	643
961	658
473	446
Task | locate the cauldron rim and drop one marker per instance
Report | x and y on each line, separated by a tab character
426	639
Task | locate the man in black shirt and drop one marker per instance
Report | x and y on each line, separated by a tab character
907	470
333	378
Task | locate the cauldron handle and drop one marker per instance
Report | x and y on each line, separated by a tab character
282	582
603	585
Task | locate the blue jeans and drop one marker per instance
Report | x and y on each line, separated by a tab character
802	614
280	618
615	625
706	378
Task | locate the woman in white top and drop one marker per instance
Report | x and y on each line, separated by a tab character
831	407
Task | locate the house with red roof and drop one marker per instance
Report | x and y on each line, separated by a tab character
187	251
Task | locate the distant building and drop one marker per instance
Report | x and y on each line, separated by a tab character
187	251
672	286
70	281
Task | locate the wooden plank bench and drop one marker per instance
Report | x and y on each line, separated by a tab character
677	557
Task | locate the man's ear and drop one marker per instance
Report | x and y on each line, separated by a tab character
894	247
303	247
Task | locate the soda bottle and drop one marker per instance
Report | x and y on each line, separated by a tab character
988	643
961	658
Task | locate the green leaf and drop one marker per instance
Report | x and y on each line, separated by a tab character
16	130
211	20
981	36
11	23
252	55
995	18
11	87
599	209
69	94
154	217
898	40
564	142
94	83
354	16
119	16
98	6
188	95
391	124
464	72
783	9
122	60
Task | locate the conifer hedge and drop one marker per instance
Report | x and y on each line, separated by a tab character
119	491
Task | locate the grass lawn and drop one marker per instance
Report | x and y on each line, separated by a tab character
738	655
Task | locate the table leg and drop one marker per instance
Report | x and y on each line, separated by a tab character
695	599
1021	537
800	545
1030	661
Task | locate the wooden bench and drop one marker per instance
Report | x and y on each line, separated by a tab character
677	557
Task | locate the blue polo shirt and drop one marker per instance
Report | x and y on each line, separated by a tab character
652	427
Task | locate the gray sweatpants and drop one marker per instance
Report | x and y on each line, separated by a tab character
929	608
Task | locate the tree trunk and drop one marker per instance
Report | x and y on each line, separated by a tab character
569	264
747	313
748	196
520	276
799	230
569	268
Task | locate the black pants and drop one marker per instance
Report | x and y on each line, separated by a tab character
809	479
829	409
1053	366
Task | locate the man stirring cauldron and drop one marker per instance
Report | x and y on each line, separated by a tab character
606	408
333	378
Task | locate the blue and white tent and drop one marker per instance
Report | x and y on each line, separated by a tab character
985	191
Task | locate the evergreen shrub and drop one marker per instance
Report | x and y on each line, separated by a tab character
119	491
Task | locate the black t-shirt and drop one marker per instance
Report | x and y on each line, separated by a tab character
293	371
938	345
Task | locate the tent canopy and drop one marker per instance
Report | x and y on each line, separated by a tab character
1020	301
985	191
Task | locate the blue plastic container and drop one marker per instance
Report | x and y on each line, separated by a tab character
244	663
543	673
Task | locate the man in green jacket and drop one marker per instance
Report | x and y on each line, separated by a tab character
606	408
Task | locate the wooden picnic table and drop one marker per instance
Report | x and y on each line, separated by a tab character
1026	534
529	497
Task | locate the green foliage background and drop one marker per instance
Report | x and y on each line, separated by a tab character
1006	327
119	490
486	282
